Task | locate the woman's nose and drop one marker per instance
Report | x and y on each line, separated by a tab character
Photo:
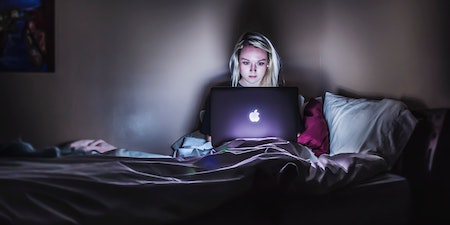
253	67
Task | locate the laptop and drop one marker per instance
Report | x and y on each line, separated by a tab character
253	112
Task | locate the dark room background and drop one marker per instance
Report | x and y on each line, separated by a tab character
134	73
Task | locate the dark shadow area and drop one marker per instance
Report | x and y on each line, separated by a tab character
444	37
255	15
311	82
424	164
12	112
413	103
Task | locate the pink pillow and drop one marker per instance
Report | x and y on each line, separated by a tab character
316	134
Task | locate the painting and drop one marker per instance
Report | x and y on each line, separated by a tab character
27	36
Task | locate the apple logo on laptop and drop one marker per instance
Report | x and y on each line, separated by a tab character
254	116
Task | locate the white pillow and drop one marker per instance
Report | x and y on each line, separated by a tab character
358	125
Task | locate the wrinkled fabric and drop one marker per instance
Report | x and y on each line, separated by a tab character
97	189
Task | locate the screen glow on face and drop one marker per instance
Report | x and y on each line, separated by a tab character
254	116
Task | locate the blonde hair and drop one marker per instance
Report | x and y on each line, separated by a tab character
259	41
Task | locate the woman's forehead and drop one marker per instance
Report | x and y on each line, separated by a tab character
253	53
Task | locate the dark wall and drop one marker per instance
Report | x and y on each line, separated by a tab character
135	73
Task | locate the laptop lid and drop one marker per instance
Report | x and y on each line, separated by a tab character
253	112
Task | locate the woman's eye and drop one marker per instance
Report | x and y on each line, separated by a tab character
245	62
261	63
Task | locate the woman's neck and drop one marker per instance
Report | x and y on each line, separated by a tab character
245	84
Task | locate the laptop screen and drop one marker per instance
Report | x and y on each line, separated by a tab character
253	112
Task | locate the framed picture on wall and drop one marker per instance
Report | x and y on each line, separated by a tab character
27	35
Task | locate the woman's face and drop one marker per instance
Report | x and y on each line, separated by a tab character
252	66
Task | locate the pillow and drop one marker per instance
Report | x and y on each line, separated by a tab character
301	104
315	135
358	125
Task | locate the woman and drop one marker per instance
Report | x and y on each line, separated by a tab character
254	63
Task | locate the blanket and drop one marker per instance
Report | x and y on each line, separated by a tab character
102	189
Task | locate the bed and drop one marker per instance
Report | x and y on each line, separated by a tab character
331	176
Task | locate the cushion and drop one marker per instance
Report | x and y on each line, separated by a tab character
315	136
301	105
359	125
